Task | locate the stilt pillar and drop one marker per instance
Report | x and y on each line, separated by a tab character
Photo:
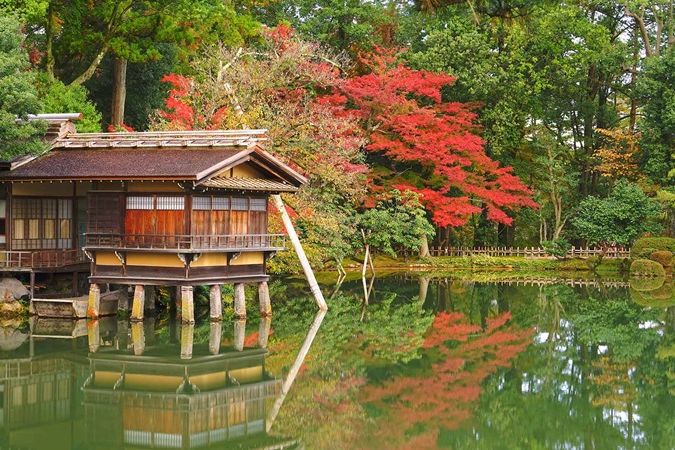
138	338
239	301
216	302
264	331
215	336
123	299
139	303
150	299
239	334
187	333
94	302
264	297
187	304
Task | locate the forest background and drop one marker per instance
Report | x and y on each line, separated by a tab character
463	123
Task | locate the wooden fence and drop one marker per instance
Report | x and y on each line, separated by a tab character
528	252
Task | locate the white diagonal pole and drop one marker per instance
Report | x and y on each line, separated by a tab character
304	262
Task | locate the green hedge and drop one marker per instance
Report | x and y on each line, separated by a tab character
644	247
647	268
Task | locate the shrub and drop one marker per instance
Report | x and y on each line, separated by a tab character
574	265
647	268
663	257
557	248
644	247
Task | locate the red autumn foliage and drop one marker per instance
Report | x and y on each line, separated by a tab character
122	128
407	121
446	397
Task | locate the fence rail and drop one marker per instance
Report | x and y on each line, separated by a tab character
186	242
40	259
529	252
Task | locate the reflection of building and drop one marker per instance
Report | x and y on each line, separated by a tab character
55	394
164	403
38	398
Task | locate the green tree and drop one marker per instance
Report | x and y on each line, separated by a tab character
77	36
398	222
18	98
622	217
345	25
56	97
656	90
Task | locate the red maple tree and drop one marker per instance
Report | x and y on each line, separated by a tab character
430	145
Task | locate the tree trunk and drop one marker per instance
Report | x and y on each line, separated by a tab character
424	248
91	69
49	51
119	92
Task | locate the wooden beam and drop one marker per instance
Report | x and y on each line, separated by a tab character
304	262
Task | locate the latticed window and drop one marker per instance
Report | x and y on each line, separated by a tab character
201	203
258	204
239	203
42	223
140	202
171	203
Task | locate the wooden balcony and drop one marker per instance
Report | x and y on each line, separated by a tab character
185	243
25	260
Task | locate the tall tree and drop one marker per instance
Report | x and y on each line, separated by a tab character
18	98
78	35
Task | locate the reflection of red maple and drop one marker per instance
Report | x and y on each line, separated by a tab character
446	397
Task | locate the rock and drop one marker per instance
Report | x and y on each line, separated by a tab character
12	289
11	309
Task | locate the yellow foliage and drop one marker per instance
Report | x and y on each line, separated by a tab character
617	158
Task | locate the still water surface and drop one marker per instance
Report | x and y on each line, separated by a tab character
428	362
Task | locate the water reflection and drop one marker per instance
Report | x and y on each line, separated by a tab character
153	384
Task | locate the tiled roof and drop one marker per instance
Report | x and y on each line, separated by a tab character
123	163
248	184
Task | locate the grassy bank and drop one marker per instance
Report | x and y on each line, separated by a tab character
487	263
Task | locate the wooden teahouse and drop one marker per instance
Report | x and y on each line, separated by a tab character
146	209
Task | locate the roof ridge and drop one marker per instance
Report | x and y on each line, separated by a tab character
200	138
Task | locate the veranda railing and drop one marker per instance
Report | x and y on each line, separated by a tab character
186	242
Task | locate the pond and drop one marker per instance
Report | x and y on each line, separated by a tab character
427	361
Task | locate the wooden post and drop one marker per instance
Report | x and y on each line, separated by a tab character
32	284
264	297
215	336
94	302
138	307
239	334
187	332
123	300
216	302
75	284
304	262
239	301
138	338
187	304
150	300
177	299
